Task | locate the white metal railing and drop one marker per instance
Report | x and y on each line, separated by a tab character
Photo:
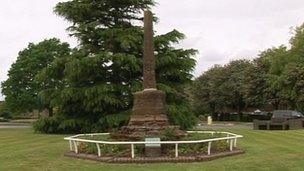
230	138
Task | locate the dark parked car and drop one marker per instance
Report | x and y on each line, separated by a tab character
282	120
288	114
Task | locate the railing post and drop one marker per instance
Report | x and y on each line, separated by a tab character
98	149
227	139
75	147
71	145
132	151
231	144
176	150
209	148
235	142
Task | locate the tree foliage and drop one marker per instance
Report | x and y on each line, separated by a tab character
274	79
224	87
21	89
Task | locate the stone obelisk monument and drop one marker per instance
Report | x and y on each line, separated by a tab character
149	105
149	59
149	119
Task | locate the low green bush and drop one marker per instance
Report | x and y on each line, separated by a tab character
3	120
107	150
170	135
181	115
46	125
61	123
219	146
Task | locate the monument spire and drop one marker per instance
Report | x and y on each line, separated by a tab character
149	59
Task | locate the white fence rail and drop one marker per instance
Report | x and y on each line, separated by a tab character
230	138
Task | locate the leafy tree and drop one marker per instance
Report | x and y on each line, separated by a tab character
292	83
297	45
97	81
235	84
4	111
275	78
207	97
20	89
275	60
255	84
223	87
292	77
280	62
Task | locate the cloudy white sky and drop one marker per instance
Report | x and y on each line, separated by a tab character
221	30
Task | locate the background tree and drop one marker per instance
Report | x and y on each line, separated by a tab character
97	81
282	61
207	97
274	79
255	85
4	112
275	59
20	89
223	87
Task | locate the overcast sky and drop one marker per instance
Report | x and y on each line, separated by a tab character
222	30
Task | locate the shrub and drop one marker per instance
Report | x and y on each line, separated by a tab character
105	149
219	146
46	125
3	120
5	113
115	121
52	125
57	124
170	135
181	115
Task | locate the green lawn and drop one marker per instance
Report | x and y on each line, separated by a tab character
21	149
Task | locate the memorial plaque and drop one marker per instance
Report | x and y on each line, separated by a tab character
152	140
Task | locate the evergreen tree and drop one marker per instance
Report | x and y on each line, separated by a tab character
98	80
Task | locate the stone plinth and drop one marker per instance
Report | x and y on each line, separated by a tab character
139	133
152	151
148	119
149	109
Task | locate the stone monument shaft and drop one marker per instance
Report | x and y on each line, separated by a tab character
149	59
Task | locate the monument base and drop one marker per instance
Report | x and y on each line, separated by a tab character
148	120
149	109
139	133
153	151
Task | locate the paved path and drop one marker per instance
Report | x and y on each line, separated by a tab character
202	126
5	125
225	125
